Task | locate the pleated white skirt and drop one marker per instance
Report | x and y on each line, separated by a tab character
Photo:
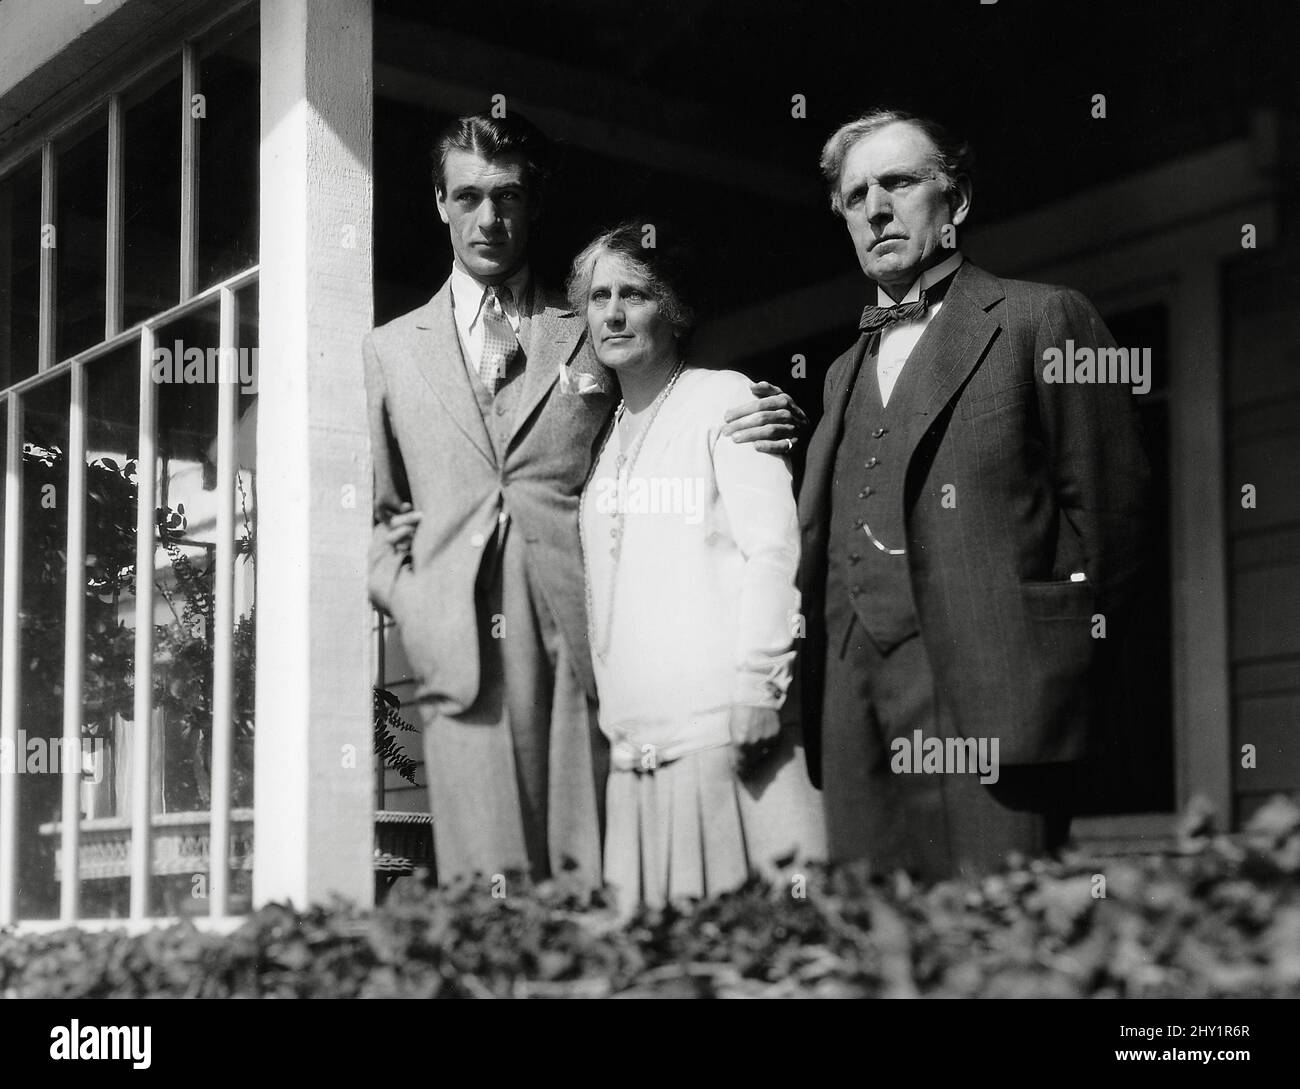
690	828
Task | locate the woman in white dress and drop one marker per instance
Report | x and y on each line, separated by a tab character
691	545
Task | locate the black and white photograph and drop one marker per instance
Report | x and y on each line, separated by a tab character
675	499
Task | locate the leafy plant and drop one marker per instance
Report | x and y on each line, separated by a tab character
183	647
1217	917
388	722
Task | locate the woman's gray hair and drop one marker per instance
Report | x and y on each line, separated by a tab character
661	261
953	155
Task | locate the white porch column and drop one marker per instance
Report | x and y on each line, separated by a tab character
313	796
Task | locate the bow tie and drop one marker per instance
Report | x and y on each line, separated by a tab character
877	317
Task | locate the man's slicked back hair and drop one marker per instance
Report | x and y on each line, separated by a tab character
490	138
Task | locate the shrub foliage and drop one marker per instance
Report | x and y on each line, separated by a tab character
1216	917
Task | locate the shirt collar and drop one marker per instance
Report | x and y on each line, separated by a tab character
472	292
930	276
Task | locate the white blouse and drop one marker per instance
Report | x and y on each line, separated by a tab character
700	607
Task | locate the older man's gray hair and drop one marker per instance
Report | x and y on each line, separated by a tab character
954	158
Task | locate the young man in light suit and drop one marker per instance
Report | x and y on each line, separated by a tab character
965	518
485	408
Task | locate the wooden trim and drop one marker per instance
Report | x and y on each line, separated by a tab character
189	171
10	673
49	255
1202	675
114	241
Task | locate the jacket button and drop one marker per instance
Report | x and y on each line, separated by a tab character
854	558
477	540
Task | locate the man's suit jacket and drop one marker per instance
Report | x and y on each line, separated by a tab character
1048	479
431	448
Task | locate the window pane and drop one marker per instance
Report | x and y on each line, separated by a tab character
184	617
112	421
228	158
151	261
82	223
20	276
41	631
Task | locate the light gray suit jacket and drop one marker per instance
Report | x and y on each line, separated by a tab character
431	448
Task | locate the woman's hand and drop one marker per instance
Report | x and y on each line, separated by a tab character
773	423
401	528
754	732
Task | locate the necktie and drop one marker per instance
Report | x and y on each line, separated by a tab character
499	342
877	317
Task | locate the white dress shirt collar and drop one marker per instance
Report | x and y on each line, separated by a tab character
930	276
467	295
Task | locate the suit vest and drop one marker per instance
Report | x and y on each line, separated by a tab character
867	491
499	409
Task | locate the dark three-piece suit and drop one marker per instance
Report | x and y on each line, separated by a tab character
998	487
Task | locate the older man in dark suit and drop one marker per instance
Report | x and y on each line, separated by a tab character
485	408
966	522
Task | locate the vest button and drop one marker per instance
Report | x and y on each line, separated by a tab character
868	490
854	558
855	591
879	432
872	463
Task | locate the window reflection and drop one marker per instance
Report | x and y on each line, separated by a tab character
20	275
152	185
228	158
82	225
112	421
39	752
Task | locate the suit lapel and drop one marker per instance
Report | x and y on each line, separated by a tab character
950	348
441	361
553	335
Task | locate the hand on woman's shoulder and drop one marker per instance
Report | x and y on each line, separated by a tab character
718	390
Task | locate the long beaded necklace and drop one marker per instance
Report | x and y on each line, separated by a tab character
624	463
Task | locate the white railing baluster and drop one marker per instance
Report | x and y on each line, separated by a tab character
223	588
73	647
142	727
